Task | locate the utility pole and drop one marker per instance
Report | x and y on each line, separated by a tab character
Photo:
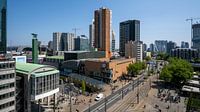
191	22
75	31
105	103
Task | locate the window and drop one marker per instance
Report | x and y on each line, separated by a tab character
7	95
6	86
7	105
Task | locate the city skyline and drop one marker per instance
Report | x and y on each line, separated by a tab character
158	20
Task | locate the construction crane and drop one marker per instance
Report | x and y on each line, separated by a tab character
75	30
191	21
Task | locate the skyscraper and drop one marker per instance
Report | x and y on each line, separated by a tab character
7	68
63	41
144	47
7	84
152	48
184	44
161	45
196	36
170	45
91	35
3	38
102	22
81	43
129	31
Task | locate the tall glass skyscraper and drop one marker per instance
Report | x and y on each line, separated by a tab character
129	31
3	39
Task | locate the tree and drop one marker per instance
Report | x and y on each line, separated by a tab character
135	68
162	56
148	58
178	71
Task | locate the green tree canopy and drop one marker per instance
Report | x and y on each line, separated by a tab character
135	68
178	71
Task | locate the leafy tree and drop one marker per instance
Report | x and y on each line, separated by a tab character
135	68
162	56
178	71
148	58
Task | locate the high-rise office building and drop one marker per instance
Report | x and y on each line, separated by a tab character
63	41
184	44
152	48
129	31
102	22
3	38
50	45
170	45
91	35
57	41
144	47
81	43
161	45
196	36
113	41
7	84
7	68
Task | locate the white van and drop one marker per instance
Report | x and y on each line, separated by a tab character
99	97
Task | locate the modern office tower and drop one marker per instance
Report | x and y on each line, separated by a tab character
91	35
144	47
67	42
63	41
170	45
184	44
3	38
113	41
185	53
129	31
35	49
152	48
7	68
133	49
7	84
50	45
57	41
81	43
102	22
196	36
37	86
161	45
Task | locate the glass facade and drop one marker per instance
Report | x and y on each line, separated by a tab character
129	31
44	84
3	26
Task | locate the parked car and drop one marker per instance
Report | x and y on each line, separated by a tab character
99	97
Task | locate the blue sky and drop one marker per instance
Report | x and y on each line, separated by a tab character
160	19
